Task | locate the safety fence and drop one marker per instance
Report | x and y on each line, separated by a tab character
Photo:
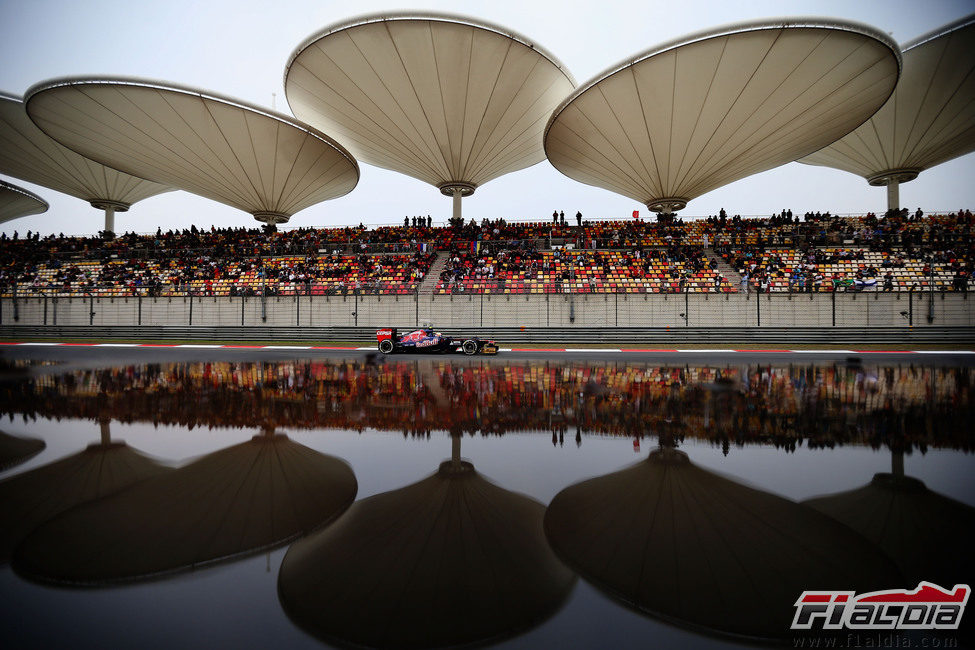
833	310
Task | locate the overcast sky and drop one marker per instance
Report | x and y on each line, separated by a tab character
240	47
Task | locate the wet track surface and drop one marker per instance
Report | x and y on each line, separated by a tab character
112	354
201	497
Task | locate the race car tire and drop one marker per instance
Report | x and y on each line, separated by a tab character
386	346
470	347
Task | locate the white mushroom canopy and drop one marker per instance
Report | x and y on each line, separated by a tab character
250	158
689	116
448	100
929	119
30	155
16	202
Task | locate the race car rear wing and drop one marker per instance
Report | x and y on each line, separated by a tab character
387	333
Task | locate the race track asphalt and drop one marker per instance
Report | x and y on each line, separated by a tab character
71	355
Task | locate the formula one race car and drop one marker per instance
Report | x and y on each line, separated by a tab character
426	340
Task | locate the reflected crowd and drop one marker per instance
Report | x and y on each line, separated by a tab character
453	558
819	405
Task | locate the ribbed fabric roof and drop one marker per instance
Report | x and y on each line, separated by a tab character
246	157
31	498
694	548
906	519
929	119
228	504
442	98
16	202
30	155
449	561
689	116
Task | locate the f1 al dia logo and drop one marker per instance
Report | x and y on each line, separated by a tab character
929	607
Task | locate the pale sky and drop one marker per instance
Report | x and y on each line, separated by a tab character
239	48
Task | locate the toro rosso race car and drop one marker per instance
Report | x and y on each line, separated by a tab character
426	340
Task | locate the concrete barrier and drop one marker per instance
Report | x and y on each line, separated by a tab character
866	310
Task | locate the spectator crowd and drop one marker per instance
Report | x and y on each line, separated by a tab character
899	251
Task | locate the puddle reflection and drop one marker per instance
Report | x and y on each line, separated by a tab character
456	558
231	503
685	544
450	560
819	405
102	469
928	535
15	450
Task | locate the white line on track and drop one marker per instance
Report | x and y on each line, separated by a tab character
199	347
822	351
39	344
944	351
117	345
592	350
708	350
286	347
368	348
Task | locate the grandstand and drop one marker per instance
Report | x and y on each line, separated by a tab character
718	255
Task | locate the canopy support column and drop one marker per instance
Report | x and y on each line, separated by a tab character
666	207
109	218
457	190
897	463
893	195
110	207
455	451
457	209
893	178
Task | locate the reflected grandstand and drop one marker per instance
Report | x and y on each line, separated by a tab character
816	405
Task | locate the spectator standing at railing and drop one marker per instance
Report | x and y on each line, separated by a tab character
888	281
960	281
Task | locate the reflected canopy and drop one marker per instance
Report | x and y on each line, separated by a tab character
446	99
694	548
16	202
15	450
929	119
31	498
246	157
237	501
29	154
927	535
451	560
689	116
